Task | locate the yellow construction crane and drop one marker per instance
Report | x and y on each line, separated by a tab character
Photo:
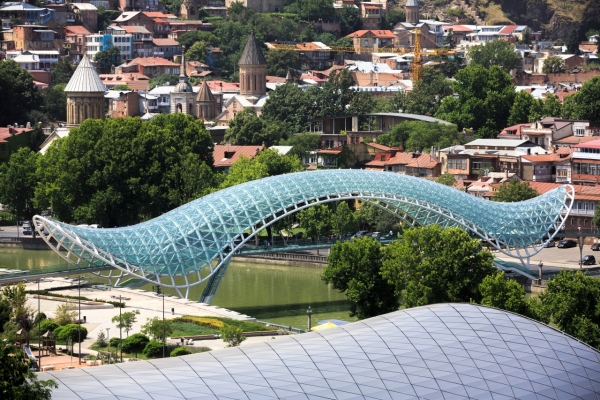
417	64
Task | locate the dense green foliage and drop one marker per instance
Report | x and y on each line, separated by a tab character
71	331
105	59
446	179
353	267
180	351
120	171
135	343
485	97
17	381
232	335
417	135
153	349
157	329
55	102
498	53
247	128
553	65
17	183
126	320
436	265
316	220
515	190
279	62
62	71
19	94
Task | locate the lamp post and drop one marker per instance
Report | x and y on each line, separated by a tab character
158	293
540	266
108	338
309	314
79	321
39	327
120	328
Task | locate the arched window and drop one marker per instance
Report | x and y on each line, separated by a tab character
190	109
178	108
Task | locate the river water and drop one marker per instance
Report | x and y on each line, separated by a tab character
278	294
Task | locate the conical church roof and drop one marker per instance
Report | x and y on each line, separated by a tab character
204	94
252	55
85	79
412	3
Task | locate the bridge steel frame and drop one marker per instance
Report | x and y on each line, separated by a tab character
195	242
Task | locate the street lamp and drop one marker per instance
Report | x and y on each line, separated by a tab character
540	266
158	293
108	338
79	321
120	327
39	327
309	314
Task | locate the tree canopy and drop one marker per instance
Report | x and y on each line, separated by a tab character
515	190
498	53
279	61
247	128
120	171
19	94
485	98
553	65
436	265
418	135
106	58
18	179
62	71
354	267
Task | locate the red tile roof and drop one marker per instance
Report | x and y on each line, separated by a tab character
423	161
400	159
221	86
165	42
543	158
461	28
382	34
158	14
233	153
570	140
330	151
6	133
382	147
152	61
592	144
514	128
77	29
508	29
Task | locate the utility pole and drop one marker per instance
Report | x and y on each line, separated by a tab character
158	293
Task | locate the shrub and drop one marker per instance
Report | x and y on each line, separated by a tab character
135	343
39	318
180	351
153	349
101	339
7	219
70	331
232	336
114	342
48	325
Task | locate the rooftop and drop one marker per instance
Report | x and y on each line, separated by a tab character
152	61
252	54
85	79
379	33
592	144
225	154
8	132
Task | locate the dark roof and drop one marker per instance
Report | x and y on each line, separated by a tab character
252	54
204	94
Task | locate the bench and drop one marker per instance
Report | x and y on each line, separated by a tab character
48	368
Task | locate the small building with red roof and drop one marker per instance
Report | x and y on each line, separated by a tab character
224	155
372	39
12	138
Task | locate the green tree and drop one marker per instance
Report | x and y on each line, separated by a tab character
291	107
157	329
302	143
5	312
418	135
436	265
197	52
587	101
232	335
522	108
71	331
105	18
354	268
106	58
17	381
126	320
316	220
446	179
553	65
136	343
62	71
343	219
350	20
266	163
552	106
48	325
391	18
596	218
572	299
449	40
500	292
188	38
154	349
18	180
180	351
498	53
19	94
573	42
101	339
21	313
65	313
485	97
164	79
280	61
514	190
336	94
247	128
55	102
119	171
122	88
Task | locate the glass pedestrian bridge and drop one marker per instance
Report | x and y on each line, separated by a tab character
194	243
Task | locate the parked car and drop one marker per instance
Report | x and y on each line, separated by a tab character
27	231
588	260
361	233
567	243
26	224
376	235
596	247
550	243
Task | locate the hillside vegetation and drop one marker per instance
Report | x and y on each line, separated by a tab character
556	18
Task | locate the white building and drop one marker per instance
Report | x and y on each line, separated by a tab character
34	59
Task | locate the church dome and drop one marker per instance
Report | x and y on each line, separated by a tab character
183	87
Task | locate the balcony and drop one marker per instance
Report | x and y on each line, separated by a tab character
581	212
544	178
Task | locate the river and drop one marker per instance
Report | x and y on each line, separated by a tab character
278	294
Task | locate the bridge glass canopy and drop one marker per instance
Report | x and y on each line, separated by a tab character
193	236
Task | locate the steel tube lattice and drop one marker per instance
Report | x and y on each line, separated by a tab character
196	239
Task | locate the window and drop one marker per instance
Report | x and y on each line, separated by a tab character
572	222
579	132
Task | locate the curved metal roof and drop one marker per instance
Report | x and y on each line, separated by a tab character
188	239
442	351
85	79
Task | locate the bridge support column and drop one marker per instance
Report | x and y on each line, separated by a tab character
213	283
